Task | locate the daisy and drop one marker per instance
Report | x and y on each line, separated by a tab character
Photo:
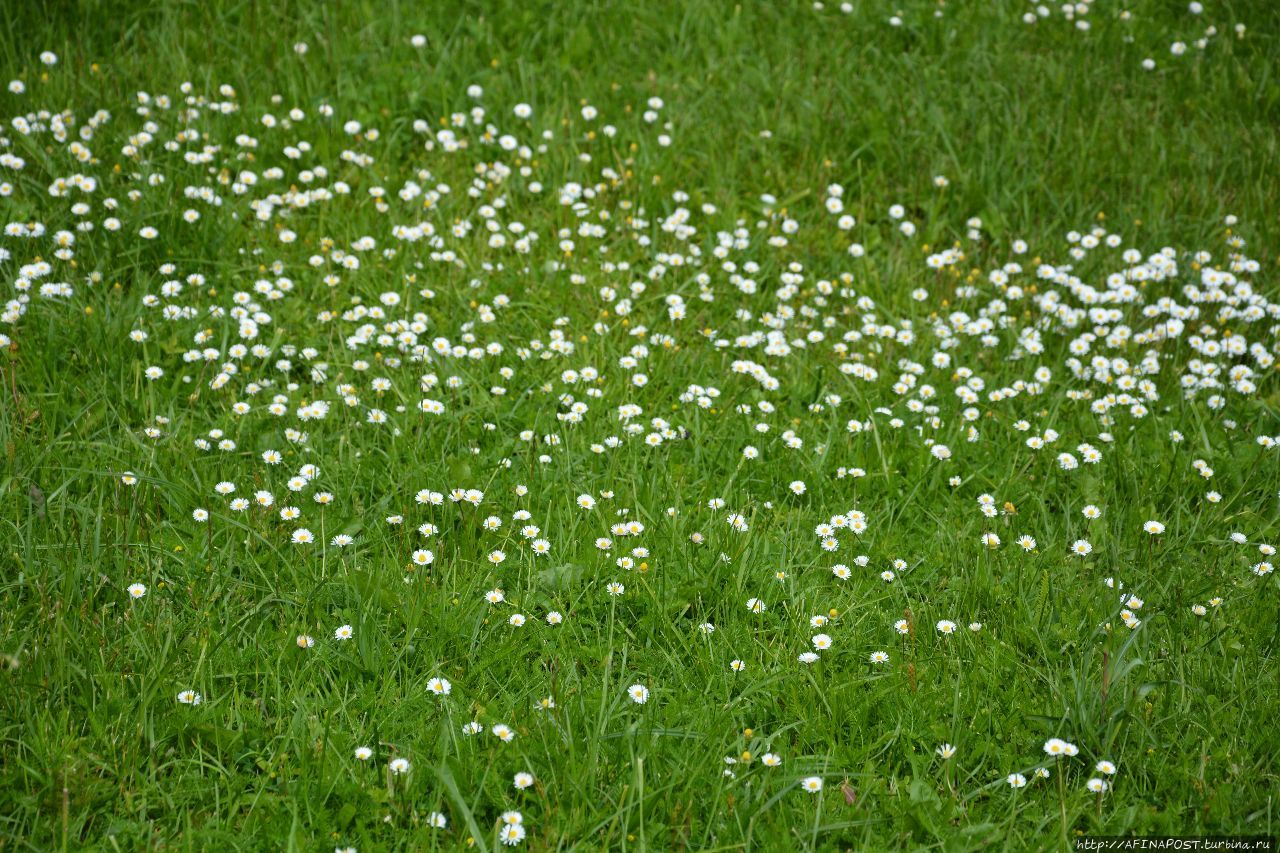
344	632
811	784
638	693
137	590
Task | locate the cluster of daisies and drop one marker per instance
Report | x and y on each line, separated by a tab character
1193	34
420	333
1081	17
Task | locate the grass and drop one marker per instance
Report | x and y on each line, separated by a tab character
1040	129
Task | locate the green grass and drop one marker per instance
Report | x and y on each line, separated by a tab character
1039	129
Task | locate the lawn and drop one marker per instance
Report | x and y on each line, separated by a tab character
638	426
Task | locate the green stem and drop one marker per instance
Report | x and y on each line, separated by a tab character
1062	803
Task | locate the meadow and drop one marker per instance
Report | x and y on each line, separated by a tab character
656	426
